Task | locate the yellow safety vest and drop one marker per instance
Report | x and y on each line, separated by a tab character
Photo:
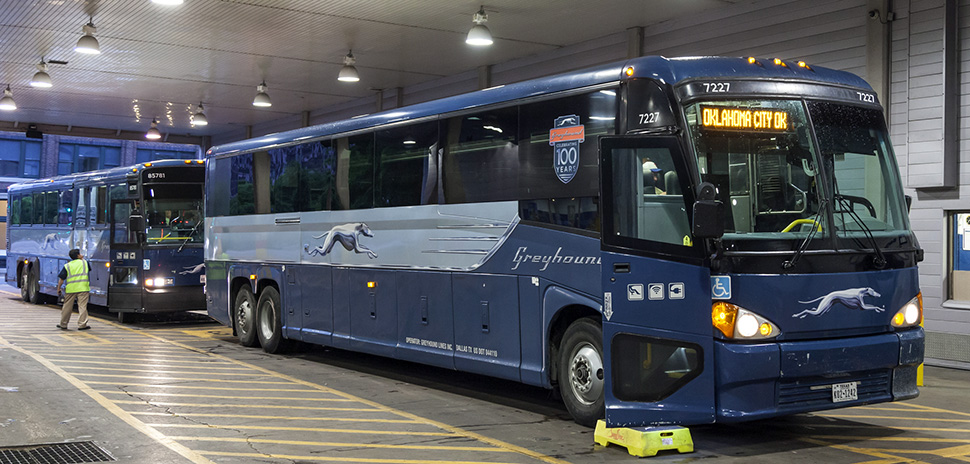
77	277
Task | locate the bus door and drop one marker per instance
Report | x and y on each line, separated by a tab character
657	332
125	258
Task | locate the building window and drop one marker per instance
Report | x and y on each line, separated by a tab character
20	158
959	238
83	158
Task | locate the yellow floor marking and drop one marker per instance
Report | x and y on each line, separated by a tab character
894	427
266	406
293	418
209	333
487	449
923	408
167	379
150	357
906	439
885	457
900	418
951	452
157	371
304	429
201	388
156	365
455	430
116	410
323	459
73	340
199	395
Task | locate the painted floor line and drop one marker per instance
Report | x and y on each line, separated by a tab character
325	459
199	395
183	379
342	444
303	429
280	418
251	406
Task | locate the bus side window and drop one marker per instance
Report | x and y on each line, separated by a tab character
481	158
101	200
407	172
26	209
355	172
38	208
14	210
81	213
284	180
316	179
242	192
52	201
65	215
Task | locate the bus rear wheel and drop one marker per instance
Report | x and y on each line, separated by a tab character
269	327
244	317
581	371
30	289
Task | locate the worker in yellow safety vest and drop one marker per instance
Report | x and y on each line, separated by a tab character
75	273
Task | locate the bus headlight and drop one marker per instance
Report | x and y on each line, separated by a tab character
910	314
159	282
738	323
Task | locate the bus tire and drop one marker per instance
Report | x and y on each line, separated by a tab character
269	325
33	286
244	317
581	371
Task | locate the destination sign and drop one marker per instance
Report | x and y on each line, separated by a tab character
189	173
744	119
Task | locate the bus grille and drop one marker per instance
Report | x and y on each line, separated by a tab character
812	391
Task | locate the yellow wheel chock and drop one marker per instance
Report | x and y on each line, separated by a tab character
645	441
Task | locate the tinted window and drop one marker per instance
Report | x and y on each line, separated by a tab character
81	215
52	201
15	210
407	165
284	179
65	212
355	172
317	177
480	161
242	196
38	216
27	209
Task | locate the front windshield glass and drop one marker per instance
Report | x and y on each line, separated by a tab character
762	158
759	155
173	213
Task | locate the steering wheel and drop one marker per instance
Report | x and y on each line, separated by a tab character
798	222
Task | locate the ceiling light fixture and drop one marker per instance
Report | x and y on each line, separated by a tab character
199	119
479	35
168	2
41	79
262	98
87	43
348	73
153	133
7	103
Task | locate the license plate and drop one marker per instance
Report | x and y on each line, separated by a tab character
844	392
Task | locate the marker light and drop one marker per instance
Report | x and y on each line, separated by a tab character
802	64
252	276
751	60
371	284
778	62
628	71
910	314
738	323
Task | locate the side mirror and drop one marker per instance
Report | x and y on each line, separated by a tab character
708	213
136	227
909	202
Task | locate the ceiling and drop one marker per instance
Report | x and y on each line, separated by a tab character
162	61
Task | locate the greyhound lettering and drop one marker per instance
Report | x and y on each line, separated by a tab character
347	235
851	298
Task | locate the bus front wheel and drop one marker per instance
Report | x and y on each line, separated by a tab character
25	285
244	317
30	288
269	328
581	371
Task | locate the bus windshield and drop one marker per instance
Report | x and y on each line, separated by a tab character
173	213
777	182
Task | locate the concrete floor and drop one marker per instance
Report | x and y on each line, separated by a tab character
183	390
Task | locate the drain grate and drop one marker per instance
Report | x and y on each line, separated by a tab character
54	453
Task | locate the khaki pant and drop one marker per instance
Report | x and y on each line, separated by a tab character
82	308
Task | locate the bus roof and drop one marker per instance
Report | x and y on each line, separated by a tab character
669	70
109	174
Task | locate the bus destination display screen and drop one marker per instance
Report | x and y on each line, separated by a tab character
744	119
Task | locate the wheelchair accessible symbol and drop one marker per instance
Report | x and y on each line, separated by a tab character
721	287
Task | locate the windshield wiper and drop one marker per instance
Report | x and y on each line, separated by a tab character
879	261
189	237
811	235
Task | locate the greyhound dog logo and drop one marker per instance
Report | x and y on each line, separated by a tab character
347	235
192	269
851	298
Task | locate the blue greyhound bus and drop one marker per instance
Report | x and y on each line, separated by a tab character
663	240
139	227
